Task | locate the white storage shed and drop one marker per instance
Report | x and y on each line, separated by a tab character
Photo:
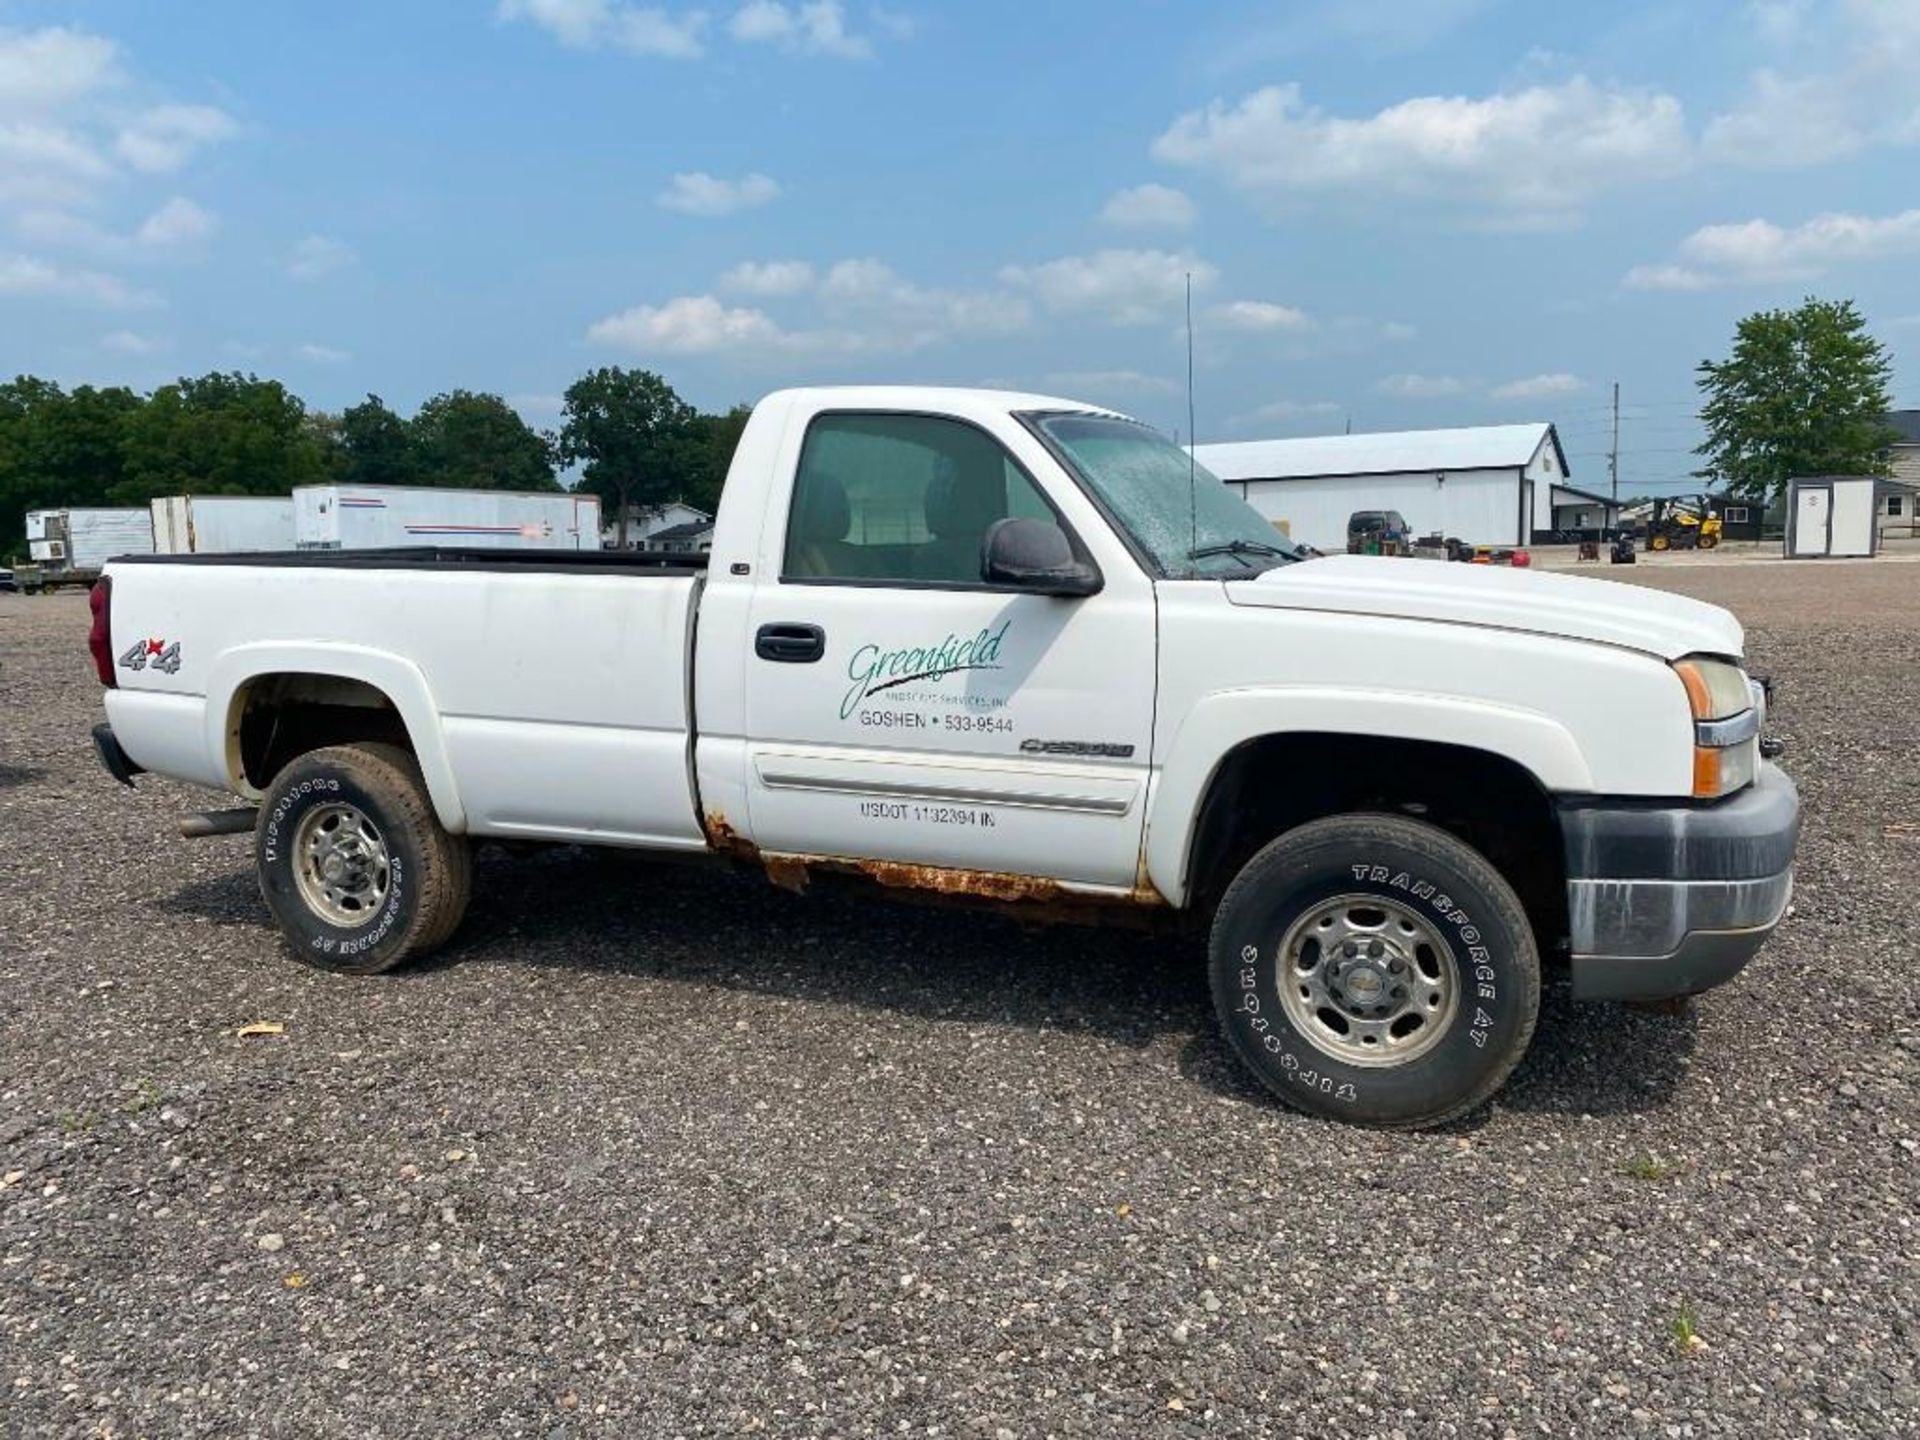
1487	485
1832	515
375	517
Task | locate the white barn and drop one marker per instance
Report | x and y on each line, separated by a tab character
1487	485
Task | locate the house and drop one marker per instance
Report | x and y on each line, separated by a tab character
694	537
1905	451
1487	485
1900	494
645	521
1895	503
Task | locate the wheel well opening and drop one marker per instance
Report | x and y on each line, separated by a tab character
1274	783
278	718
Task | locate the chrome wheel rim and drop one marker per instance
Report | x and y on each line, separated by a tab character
1367	981
341	865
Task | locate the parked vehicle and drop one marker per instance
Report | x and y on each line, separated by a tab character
1002	647
1683	522
1378	532
221	524
377	517
68	547
7	583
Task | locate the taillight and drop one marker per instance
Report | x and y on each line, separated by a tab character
100	637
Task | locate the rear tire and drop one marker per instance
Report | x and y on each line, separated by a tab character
354	865
1376	970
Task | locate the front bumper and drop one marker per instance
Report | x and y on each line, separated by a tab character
1665	899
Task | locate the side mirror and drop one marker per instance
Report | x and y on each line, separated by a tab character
1033	555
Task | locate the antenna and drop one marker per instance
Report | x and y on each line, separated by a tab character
1193	494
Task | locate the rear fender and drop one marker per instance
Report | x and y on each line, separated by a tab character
400	681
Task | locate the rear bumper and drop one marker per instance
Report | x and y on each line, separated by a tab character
1666	900
116	761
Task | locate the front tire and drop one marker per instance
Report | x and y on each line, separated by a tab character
354	865
1376	970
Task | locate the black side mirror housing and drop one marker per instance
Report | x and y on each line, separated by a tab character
1033	555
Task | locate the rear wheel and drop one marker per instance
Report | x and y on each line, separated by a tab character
1374	969
353	863
1659	542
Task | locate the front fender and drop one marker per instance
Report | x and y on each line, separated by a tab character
399	680
1221	723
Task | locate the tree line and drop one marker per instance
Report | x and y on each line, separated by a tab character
635	441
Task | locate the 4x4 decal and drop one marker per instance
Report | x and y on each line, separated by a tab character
158	653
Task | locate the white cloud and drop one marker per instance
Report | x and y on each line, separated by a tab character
317	256
770	277
1858	85
1282	410
688	325
1537	387
1149	205
1761	252
321	354
1529	156
698	193
178	222
638	29
27	275
1129	287
127	342
165	137
43	71
817	27
1257	315
1129	382
870	300
48	165
1424	387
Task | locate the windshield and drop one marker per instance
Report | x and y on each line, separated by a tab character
1190	530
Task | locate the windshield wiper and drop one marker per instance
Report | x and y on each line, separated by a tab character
1238	546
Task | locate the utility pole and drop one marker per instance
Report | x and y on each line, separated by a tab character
1613	451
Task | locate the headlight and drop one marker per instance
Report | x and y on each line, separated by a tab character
1726	725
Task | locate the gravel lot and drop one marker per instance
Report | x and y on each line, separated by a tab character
666	1151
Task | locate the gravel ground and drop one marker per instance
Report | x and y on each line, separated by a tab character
666	1151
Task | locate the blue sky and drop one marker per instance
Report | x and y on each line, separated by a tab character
1399	212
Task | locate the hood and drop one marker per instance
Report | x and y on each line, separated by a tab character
1603	611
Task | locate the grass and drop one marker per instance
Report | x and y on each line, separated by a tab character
146	1095
1649	1167
1684	1330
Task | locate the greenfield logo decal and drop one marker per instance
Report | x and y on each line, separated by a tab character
873	669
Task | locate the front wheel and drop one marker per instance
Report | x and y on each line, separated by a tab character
352	862
1374	969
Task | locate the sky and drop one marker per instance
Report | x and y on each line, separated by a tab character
1394	213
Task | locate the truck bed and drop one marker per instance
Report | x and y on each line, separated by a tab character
448	557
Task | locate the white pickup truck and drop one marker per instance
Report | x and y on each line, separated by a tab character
1014	648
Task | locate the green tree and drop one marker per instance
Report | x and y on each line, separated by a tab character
719	438
219	434
479	442
1803	393
58	448
376	445
637	441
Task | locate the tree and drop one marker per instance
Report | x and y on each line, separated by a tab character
1803	393
58	448
480	442
220	434
376	445
719	438
636	439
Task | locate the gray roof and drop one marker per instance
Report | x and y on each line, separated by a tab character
1907	424
1390	452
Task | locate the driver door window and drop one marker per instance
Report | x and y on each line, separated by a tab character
901	499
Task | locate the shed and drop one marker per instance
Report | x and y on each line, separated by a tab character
1487	485
1832	515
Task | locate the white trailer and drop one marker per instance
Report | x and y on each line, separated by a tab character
68	547
1832	515
222	524
382	517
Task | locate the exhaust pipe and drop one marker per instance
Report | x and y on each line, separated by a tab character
201	824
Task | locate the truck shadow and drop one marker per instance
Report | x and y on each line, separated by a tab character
703	925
